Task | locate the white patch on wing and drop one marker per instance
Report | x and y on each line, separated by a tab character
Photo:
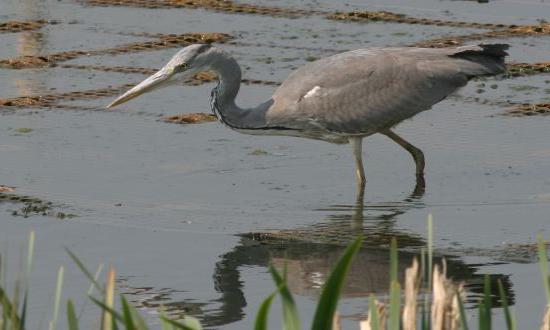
312	92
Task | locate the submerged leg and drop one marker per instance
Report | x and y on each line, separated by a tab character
357	148
416	153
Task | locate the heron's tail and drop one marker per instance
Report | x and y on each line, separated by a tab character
484	59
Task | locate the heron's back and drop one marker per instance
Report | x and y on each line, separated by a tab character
368	90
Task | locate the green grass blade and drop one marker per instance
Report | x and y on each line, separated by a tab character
331	291
116	315
127	314
485	306
263	312
424	317
487	300
189	323
462	312
483	322
507	314
8	313
423	267
140	323
57	299
138	319
291	319
23	314
165	324
72	321
395	305
373	311
393	260
84	270
543	263
30	255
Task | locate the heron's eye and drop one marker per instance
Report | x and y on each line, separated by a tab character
182	67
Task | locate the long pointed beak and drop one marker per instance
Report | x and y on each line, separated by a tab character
145	86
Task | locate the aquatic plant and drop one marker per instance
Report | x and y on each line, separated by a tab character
431	300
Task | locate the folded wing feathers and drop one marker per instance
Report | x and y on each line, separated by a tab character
483	59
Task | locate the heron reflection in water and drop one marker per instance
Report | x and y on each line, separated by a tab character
309	254
339	99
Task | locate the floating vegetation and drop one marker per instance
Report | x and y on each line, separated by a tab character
311	58
217	5
31	206
525	69
527	110
258	152
50	100
386	16
523	88
190	118
119	69
19	26
23	130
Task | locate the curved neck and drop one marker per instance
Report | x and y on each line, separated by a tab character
224	95
229	75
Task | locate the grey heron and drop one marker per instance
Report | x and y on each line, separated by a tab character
339	99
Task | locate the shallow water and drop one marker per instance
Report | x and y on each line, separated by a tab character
167	204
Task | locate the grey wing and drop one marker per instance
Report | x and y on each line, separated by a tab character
364	91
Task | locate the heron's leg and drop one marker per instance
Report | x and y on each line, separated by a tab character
416	153
357	147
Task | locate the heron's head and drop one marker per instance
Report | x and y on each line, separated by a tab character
187	62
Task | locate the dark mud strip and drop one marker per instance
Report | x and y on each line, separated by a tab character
163	42
20	26
27	206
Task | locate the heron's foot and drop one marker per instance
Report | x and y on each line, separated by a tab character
416	153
